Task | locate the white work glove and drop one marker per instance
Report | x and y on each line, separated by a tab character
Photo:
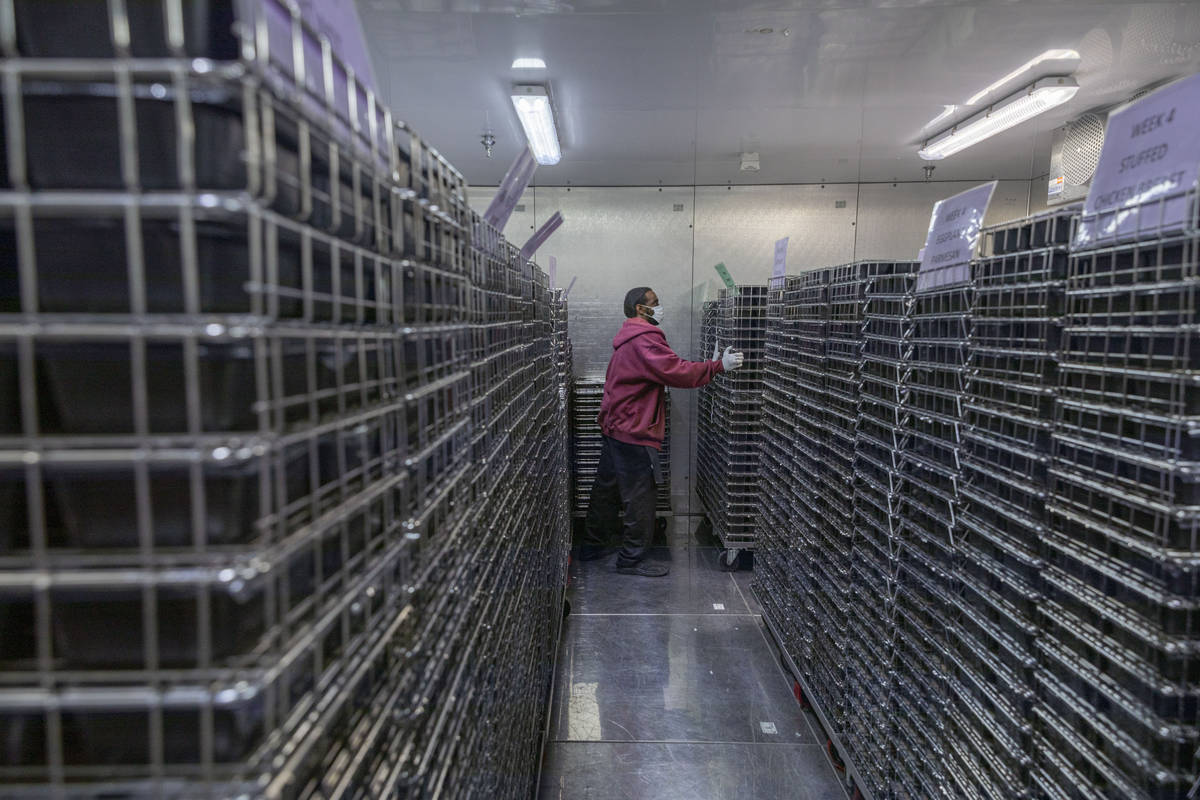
730	360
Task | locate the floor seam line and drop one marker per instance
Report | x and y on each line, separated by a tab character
686	741
664	614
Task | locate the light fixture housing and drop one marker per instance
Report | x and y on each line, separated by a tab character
1034	99
532	103
528	63
1049	55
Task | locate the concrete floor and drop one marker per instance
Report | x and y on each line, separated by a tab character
670	688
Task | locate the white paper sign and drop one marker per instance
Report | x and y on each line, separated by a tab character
553	272
1150	159
780	268
953	237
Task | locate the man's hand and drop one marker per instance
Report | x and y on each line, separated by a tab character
730	360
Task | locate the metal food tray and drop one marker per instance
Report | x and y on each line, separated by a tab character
333	418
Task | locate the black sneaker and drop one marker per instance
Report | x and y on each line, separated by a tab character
645	570
593	552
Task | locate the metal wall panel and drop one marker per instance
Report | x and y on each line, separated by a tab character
894	218
619	237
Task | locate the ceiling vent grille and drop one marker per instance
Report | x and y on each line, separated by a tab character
1074	156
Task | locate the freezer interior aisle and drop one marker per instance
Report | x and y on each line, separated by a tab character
670	689
303	308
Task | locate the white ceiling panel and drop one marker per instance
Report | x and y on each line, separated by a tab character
671	91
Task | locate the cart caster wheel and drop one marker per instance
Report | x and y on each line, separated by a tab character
837	762
660	524
566	608
730	559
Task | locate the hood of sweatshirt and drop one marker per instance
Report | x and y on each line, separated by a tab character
634	328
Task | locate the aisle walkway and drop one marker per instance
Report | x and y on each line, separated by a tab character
668	688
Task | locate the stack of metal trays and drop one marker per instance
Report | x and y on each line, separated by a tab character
730	421
1012	357
706	441
825	535
882	747
926	619
278	421
586	396
782	585
838	417
1118	677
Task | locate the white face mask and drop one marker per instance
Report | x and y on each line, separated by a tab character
657	313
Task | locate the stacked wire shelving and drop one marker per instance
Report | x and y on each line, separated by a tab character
586	439
1023	607
778	543
280	420
1015	332
731	419
1118	677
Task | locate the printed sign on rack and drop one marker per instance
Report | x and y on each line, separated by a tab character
953	237
553	272
339	21
727	279
1148	165
780	268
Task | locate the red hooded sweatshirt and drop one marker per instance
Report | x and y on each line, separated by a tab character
642	364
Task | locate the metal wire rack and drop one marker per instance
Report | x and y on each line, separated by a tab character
1117	680
586	439
1015	334
730	418
278	410
1021	611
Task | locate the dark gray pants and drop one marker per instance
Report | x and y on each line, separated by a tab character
624	482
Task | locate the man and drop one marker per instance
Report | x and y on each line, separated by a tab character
632	423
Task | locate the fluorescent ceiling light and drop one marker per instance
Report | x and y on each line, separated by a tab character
947	112
528	63
978	97
1034	99
537	118
1049	55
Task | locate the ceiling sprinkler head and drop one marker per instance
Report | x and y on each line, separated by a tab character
488	141
928	172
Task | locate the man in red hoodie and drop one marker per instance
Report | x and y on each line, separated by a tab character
632	423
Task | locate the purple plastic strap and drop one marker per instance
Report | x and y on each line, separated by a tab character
543	233
511	189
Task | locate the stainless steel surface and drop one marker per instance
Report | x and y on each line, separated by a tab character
730	417
661	694
617	238
283	496
586	442
612	241
997	516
